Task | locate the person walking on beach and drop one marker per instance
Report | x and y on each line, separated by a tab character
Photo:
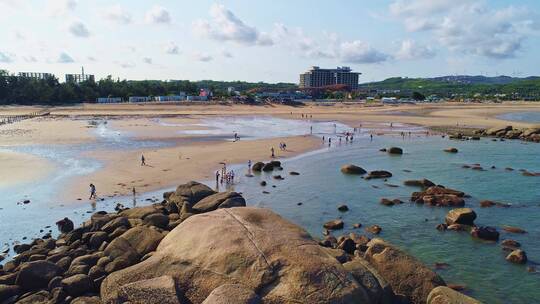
272	150
329	142
92	192
311	129
217	177
323	140
143	160
371	137
249	164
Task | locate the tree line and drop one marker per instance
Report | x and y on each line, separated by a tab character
50	91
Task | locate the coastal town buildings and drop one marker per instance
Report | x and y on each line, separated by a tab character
316	77
36	76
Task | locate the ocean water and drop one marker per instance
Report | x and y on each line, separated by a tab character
480	265
532	117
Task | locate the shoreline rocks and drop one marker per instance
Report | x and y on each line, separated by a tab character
353	170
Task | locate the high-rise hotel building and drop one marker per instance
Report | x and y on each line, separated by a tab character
317	77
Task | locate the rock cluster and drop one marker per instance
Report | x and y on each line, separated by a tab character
199	246
439	196
509	132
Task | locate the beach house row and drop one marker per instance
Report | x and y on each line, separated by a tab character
204	95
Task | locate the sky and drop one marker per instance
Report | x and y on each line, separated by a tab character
271	41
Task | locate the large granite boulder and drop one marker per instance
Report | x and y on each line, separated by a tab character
395	150
464	216
160	290
232	294
446	295
250	246
219	200
352	169
411	280
35	275
191	193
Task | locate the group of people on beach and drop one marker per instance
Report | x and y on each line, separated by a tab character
225	176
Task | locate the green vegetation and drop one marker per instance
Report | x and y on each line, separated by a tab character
18	90
464	87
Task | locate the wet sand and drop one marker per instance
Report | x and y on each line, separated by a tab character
20	168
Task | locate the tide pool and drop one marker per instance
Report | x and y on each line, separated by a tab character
480	265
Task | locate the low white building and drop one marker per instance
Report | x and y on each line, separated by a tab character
109	99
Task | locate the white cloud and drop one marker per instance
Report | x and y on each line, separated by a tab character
78	29
61	7
202	57
225	26
5	58
125	65
147	60
118	14
29	59
64	58
469	26
411	50
226	54
172	49
158	15
360	52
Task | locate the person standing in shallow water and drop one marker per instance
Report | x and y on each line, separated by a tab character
143	160
92	192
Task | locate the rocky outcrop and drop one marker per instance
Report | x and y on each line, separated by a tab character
251	246
352	169
509	132
411	281
439	196
464	216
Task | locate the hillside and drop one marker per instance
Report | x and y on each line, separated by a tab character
460	86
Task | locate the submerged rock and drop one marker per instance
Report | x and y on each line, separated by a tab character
451	150
485	233
513	229
378	174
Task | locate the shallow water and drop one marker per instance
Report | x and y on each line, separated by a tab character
481	266
532	117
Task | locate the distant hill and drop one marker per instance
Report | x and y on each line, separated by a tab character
459	85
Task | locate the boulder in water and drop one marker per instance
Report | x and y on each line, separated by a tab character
464	216
257	167
517	256
485	233
513	229
378	174
451	150
334	225
352	169
65	225
395	150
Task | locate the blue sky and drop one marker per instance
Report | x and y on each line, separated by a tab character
271	40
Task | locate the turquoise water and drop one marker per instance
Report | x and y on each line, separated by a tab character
533	117
481	266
